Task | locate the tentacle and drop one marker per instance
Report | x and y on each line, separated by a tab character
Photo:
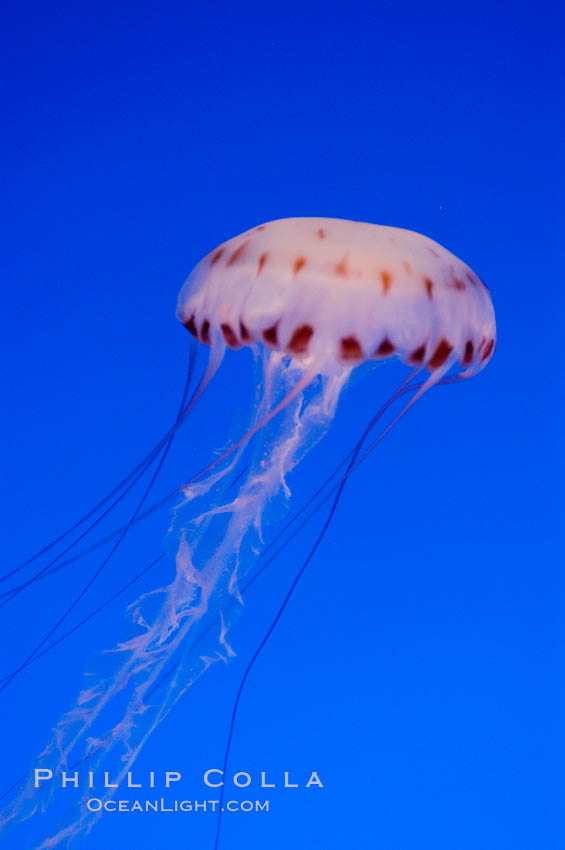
434	378
139	469
166	675
402	388
92	614
55	564
146	665
246	586
212	366
107	601
53	567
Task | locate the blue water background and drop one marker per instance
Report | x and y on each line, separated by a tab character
417	666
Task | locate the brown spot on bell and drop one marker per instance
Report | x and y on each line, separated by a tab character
469	351
298	264
229	336
386	280
441	354
341	268
261	263
236	254
488	350
385	348
244	333
270	335
190	325
418	354
429	284
216	256
300	338
351	349
205	332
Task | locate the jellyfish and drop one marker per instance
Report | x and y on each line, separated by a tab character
314	298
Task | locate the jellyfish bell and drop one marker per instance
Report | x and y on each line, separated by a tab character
339	292
314	298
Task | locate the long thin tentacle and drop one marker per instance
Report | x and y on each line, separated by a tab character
140	468
55	563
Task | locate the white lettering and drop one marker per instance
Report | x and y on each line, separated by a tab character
131	783
288	784
171	776
41	774
71	778
246	780
315	780
213	784
264	783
